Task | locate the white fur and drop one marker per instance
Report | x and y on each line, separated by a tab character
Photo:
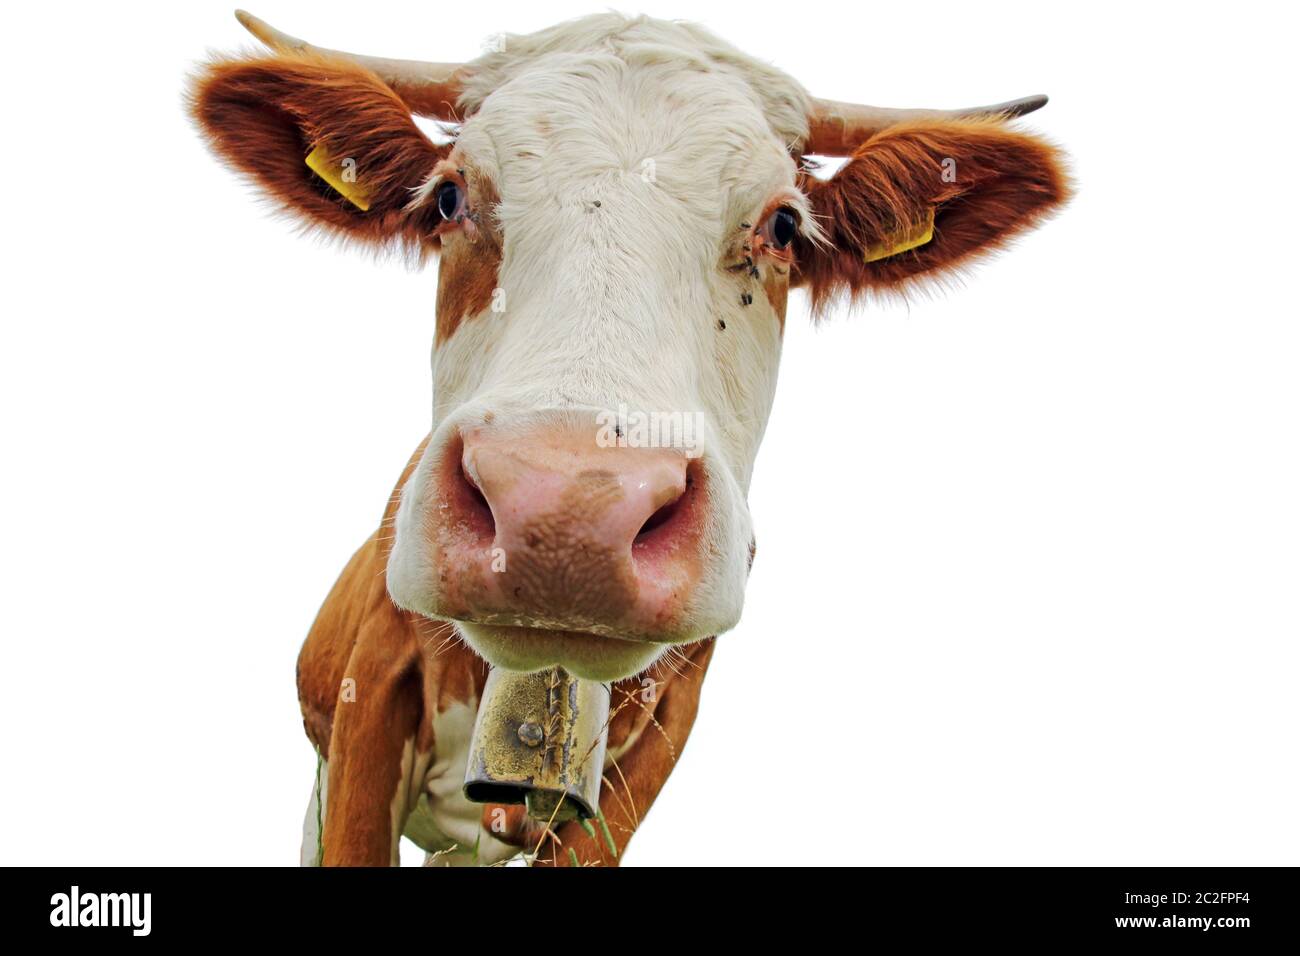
621	303
314	819
445	824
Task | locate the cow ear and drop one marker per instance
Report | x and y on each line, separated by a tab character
919	200
327	141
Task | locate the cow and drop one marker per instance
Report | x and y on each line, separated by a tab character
620	208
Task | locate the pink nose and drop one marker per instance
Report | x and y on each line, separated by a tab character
550	530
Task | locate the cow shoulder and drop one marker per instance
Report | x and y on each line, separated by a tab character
358	602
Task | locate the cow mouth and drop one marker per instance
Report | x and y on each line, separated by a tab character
581	653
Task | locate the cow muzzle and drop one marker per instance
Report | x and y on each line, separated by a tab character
553	550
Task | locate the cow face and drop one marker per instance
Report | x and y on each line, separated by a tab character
619	217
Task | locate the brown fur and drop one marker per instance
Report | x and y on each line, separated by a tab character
1006	182
322	662
776	286
467	277
406	668
263	115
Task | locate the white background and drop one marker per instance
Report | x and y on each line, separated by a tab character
1026	588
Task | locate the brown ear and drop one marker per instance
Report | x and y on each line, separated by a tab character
264	116
982	182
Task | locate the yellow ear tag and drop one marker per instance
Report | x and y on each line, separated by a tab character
342	176
914	238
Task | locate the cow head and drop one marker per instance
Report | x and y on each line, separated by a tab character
620	216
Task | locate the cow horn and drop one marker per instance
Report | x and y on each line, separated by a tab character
430	89
837	129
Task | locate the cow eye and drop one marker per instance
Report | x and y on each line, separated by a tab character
779	229
451	201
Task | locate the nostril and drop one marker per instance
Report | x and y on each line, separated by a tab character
481	508
662	525
469	508
658	519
